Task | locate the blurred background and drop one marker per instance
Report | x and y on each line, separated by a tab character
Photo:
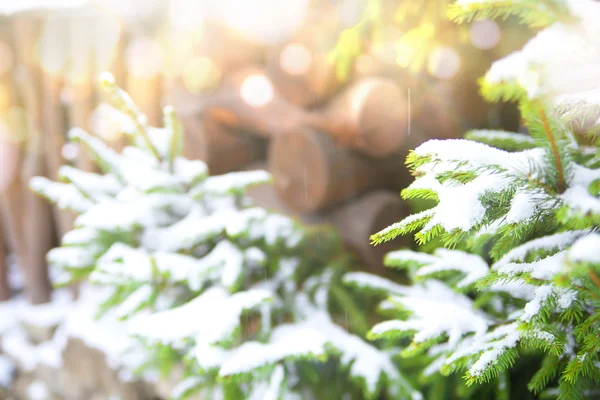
327	95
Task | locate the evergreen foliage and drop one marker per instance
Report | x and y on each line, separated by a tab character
515	293
245	299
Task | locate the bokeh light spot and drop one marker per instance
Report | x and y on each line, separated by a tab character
484	34
295	59
200	74
257	90
443	63
70	151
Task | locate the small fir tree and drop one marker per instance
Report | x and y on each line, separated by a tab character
238	295
513	298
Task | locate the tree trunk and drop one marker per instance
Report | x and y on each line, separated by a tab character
36	237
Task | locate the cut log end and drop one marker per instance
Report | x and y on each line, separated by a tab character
222	149
298	163
383	121
313	173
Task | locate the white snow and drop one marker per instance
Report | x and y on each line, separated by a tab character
187	233
541	335
70	257
216	316
399	256
577	197
566	297
274	388
65	196
374	282
479	154
545	268
38	391
134	301
109	157
110	215
587	97
79	236
7	369
533	307
558	241
500	135
516	288
471	265
586	249
92	185
559	59
234	182
27	355
185	386
491	345
459	205
47	314
188	172
436	309
288	340
523	207
309	338
209	356
494	349
106	334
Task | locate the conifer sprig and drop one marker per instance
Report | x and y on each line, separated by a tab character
232	294
521	289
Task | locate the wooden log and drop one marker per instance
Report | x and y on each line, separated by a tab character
53	61
36	237
53	143
311	172
223	149
370	116
12	138
300	69
248	100
11	191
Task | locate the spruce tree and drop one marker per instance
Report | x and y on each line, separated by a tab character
510	298
243	298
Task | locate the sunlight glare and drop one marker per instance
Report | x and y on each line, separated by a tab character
295	59
257	90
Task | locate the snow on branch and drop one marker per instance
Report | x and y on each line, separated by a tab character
215	313
435	310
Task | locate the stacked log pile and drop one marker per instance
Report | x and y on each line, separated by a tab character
336	149
335	146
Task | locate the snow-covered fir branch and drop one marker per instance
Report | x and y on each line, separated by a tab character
232	292
518	287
